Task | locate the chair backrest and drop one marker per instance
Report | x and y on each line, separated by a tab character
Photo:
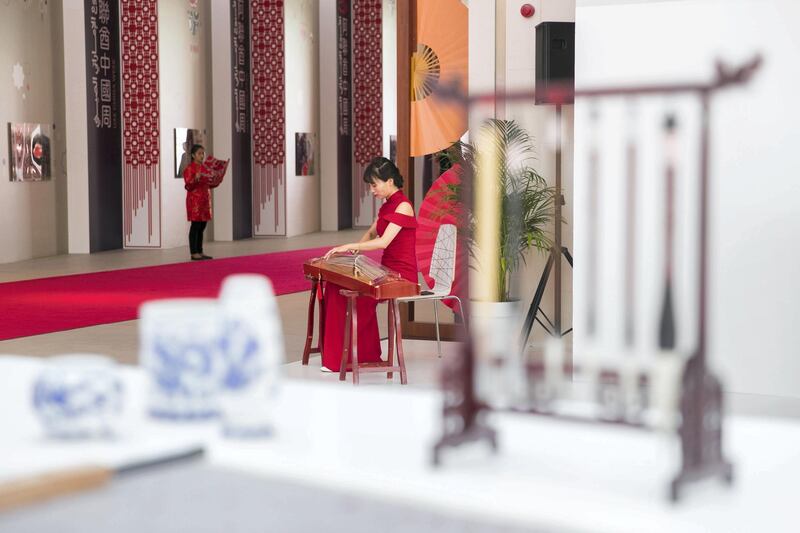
443	260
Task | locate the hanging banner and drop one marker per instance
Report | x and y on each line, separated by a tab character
267	61
103	125
241	150
344	139
141	178
367	103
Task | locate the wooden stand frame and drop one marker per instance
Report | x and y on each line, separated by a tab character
350	344
308	350
701	410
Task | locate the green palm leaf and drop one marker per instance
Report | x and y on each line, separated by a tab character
527	204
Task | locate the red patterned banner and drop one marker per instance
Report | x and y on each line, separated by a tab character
269	125
140	125
367	102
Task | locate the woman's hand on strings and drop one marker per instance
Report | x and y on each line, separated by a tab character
343	249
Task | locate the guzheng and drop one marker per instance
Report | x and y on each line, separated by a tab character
361	274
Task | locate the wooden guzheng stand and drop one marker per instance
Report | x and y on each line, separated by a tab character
356	284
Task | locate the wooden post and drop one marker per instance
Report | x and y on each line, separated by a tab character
406	44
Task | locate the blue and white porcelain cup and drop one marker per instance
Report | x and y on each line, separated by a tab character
78	396
252	349
179	349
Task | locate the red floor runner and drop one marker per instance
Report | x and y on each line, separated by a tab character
66	302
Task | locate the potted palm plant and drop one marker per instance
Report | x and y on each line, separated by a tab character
522	201
511	214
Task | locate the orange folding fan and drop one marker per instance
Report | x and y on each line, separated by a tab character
440	59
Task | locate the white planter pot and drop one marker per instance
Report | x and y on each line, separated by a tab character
495	328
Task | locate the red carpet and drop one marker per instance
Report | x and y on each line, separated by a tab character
53	304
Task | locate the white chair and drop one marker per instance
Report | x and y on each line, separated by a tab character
443	268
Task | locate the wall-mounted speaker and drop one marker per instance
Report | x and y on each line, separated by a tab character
555	62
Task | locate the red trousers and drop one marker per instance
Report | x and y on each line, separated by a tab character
368	337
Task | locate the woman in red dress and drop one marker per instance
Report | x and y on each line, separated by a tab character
394	232
198	184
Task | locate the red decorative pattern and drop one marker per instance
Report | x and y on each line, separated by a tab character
367	101
140	123
269	125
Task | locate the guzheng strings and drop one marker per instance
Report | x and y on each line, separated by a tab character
363	267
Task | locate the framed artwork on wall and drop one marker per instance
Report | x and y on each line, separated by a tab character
393	148
29	151
185	138
304	154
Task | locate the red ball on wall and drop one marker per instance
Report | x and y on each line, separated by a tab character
527	10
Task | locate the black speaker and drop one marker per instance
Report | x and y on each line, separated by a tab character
555	62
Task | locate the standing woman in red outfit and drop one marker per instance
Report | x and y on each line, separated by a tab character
394	232
197	180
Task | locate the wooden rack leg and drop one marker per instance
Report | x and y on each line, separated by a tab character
321	329
310	326
354	338
399	336
347	340
390	340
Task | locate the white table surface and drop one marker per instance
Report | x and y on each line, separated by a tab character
377	441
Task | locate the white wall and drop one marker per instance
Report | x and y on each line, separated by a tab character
389	21
77	166
540	121
302	100
60	136
755	217
482	72
184	69
502	56
328	91
29	212
222	121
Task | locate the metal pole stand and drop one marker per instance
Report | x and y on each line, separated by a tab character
535	308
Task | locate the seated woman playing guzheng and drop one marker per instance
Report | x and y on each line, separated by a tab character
394	232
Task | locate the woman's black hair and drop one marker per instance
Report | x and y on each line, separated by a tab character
195	148
383	169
